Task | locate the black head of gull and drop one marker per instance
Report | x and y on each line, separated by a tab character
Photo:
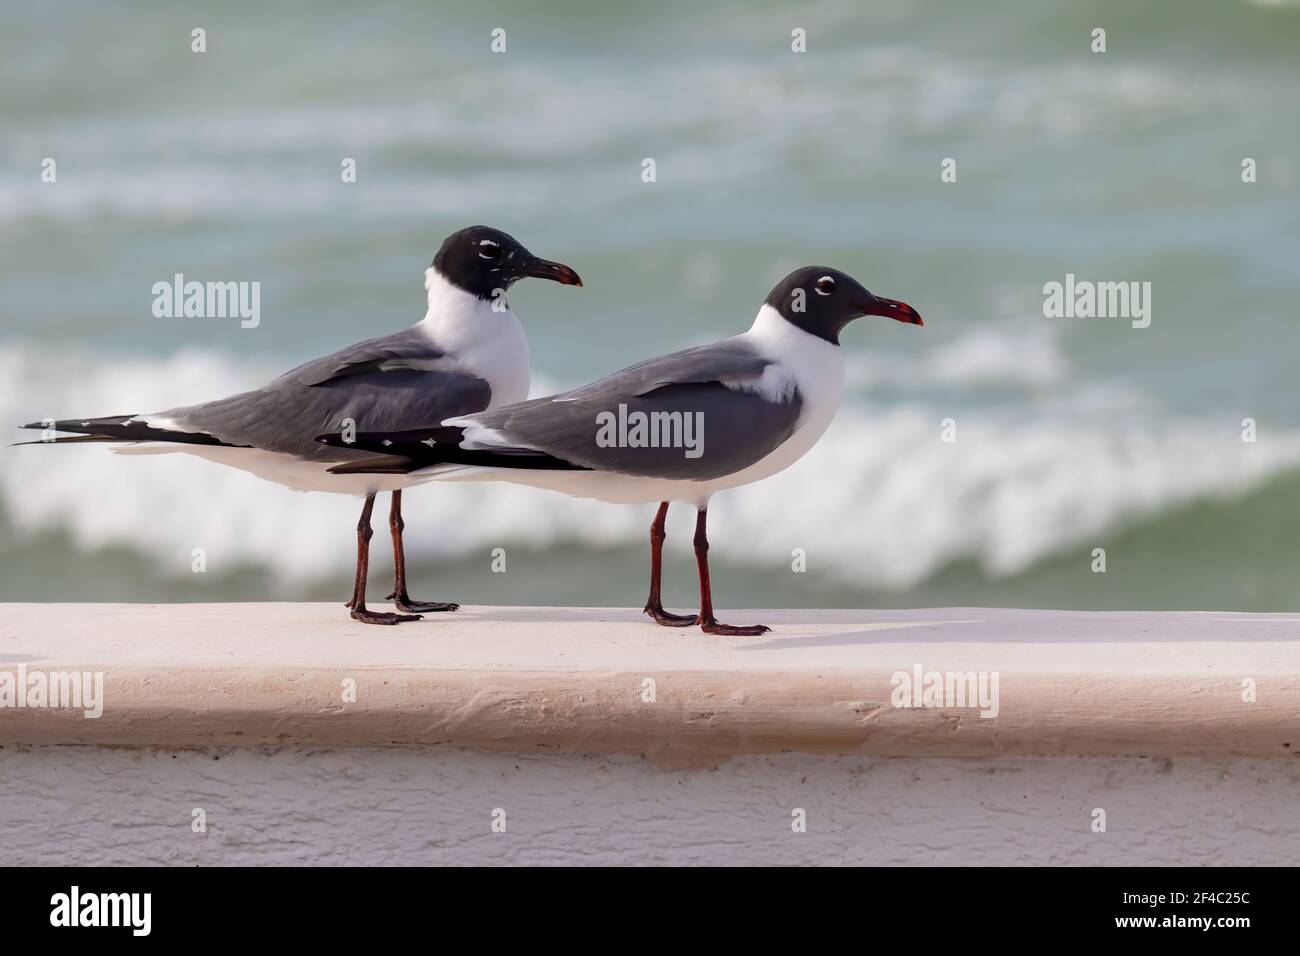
482	260
822	301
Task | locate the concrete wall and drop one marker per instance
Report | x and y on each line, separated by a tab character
435	807
306	738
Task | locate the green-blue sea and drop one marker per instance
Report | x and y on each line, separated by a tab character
1077	440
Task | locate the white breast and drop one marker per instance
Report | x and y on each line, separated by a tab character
815	365
481	340
816	369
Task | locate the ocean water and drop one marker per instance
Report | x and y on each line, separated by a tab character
1071	434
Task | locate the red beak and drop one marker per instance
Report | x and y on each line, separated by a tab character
555	271
894	310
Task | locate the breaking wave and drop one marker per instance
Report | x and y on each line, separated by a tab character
881	502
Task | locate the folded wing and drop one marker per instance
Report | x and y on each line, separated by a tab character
697	414
390	383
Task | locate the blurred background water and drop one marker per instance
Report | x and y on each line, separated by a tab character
1072	434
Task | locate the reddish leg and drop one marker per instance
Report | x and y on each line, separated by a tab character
708	623
358	602
399	596
654	605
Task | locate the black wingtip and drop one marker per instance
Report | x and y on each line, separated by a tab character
66	440
362	442
379	465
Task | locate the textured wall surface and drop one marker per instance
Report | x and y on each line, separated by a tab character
93	805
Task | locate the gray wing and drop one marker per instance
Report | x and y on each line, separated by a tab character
731	360
397	381
694	414
407	349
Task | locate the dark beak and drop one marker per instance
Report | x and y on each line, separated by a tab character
893	309
555	271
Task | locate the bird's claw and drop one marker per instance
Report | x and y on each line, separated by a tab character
668	619
381	617
733	630
405	602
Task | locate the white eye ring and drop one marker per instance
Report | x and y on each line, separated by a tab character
827	282
489	242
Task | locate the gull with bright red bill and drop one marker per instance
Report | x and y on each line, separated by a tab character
680	427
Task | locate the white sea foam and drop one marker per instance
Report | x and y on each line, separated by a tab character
892	502
1002	354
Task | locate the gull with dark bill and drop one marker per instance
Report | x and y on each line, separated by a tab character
680	427
467	354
